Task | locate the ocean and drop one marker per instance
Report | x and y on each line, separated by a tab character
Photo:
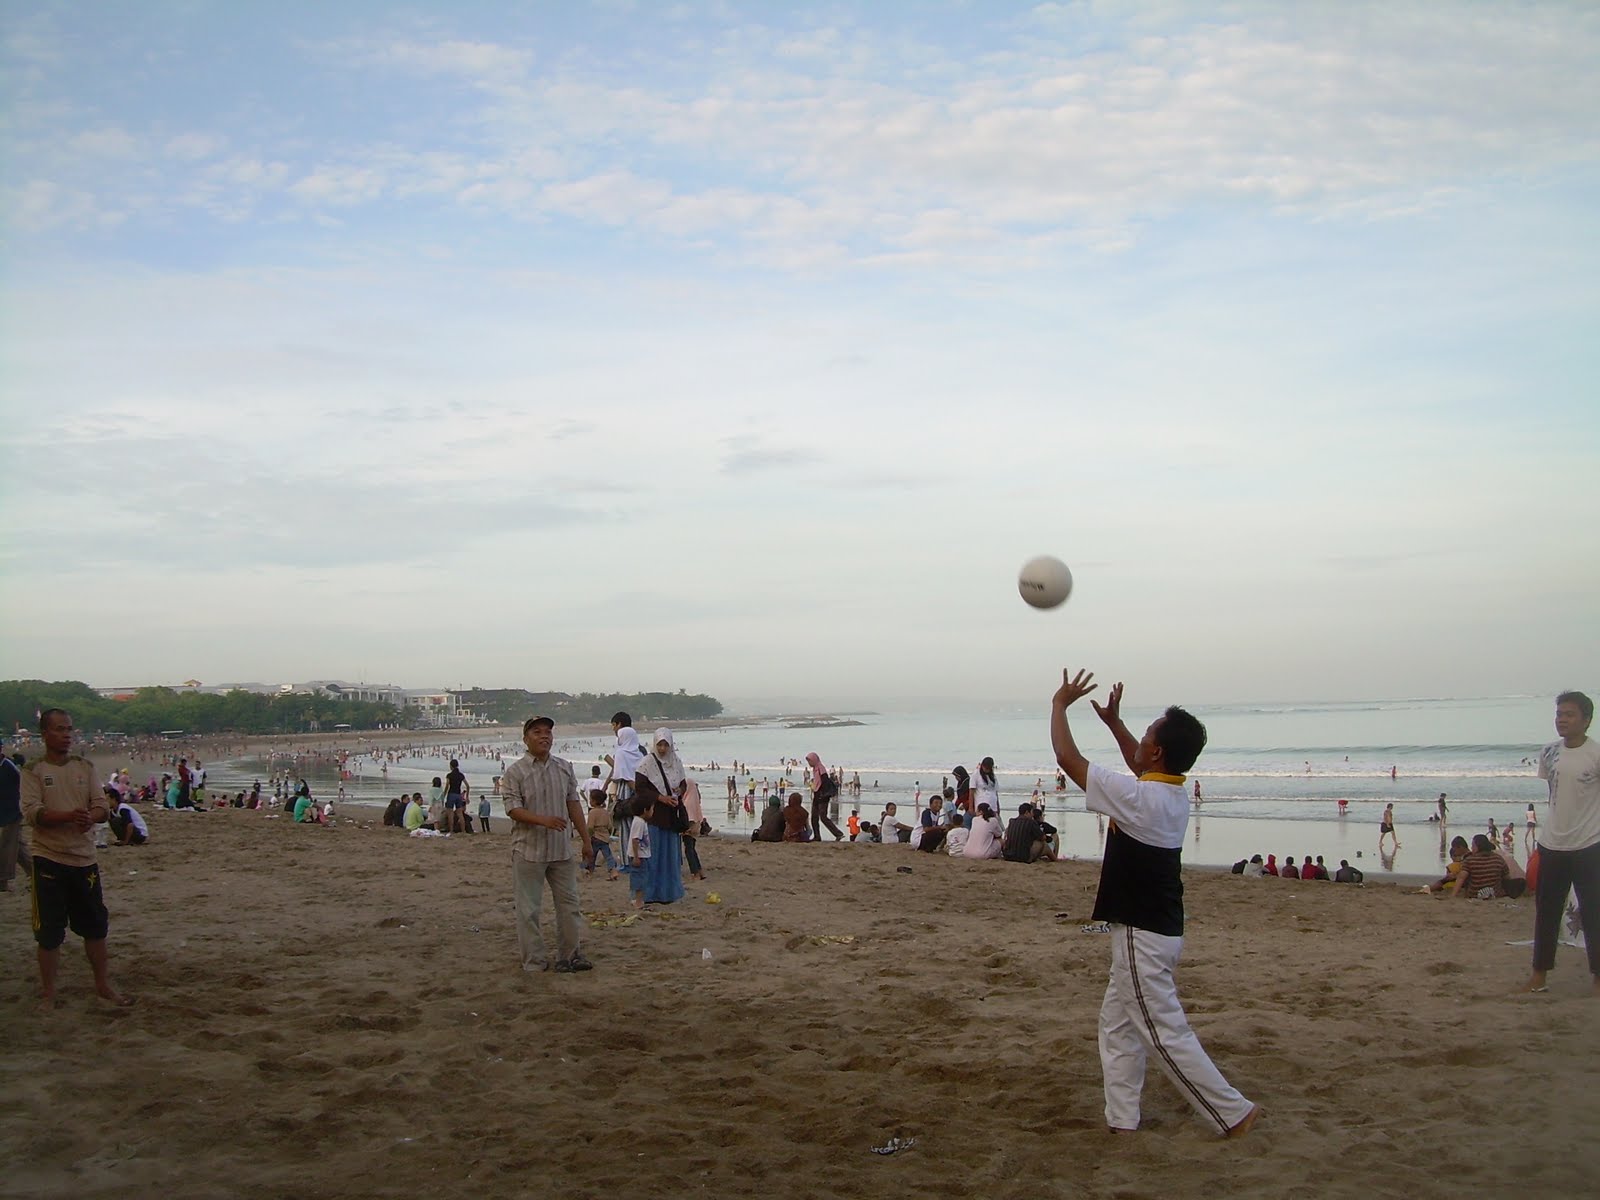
1271	776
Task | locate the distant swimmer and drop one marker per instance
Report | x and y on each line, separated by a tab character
1197	793
1394	772
1443	807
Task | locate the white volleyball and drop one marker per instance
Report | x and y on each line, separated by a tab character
1044	582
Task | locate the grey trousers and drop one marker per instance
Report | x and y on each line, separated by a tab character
528	882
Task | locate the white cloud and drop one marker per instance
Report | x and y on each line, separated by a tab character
191	147
105	142
339	185
788	143
486	63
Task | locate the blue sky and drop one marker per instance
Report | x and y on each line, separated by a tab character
751	348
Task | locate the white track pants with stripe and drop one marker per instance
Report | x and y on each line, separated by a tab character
1140	1019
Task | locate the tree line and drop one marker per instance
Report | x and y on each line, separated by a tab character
154	709
512	706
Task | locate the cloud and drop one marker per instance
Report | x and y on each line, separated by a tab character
194	146
486	63
750	454
804	149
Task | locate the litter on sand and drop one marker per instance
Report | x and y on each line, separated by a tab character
894	1145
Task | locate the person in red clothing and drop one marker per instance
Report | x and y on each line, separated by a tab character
1272	865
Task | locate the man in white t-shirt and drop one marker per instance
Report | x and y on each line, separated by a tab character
1569	839
1141	900
127	824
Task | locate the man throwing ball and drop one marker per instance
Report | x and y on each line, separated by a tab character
1141	897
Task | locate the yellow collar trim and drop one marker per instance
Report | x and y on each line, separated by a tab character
1158	777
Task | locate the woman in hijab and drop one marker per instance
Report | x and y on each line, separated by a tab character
964	808
659	783
823	790
624	769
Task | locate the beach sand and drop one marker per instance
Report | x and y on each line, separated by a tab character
340	1012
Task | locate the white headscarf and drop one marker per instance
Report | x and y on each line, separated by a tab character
669	762
625	762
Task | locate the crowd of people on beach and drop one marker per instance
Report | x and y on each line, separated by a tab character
1255	867
647	800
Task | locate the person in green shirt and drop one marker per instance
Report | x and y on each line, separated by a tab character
414	814
303	805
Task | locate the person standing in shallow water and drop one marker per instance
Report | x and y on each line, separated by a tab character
1386	828
823	790
1141	899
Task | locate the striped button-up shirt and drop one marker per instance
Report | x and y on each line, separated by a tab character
543	788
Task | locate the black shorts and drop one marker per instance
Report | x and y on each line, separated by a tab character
66	897
455	802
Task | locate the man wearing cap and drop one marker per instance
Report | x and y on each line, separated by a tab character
541	798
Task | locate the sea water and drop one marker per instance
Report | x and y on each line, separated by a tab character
1271	776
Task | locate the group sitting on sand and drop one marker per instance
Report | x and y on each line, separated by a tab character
1255	868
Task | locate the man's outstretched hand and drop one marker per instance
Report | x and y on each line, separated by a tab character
1111	711
1075	687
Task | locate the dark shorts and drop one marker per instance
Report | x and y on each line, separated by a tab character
66	897
454	802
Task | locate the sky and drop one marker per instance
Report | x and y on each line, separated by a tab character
751	348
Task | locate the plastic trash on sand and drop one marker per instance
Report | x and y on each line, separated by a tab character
894	1145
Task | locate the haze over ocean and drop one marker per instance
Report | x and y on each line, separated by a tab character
1257	794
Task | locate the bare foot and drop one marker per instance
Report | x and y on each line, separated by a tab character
1244	1126
109	993
1535	983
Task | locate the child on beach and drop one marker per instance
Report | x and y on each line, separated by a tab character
1141	899
600	834
638	852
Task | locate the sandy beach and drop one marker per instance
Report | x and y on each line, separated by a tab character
340	1012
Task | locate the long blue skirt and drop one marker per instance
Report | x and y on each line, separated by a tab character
663	871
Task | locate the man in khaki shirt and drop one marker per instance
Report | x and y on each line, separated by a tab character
541	798
62	801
